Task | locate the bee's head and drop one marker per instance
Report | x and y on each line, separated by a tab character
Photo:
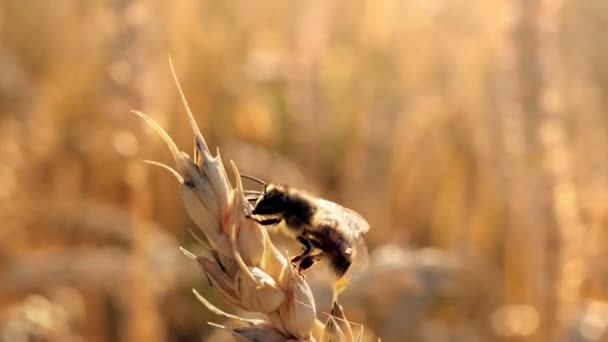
273	201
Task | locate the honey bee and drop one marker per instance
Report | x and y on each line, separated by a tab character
326	230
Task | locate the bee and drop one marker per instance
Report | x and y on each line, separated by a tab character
325	229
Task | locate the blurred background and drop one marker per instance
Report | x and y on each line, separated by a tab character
471	135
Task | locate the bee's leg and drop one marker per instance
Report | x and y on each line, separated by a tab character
265	222
306	243
308	261
307	248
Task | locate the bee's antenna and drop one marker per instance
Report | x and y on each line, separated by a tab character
251	199
253	195
257	180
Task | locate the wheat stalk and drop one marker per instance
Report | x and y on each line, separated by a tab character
239	259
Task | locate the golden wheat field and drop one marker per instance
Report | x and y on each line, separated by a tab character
472	136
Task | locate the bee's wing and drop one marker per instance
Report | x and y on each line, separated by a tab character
361	260
355	225
350	219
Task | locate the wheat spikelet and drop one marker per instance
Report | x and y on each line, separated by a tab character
239	259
